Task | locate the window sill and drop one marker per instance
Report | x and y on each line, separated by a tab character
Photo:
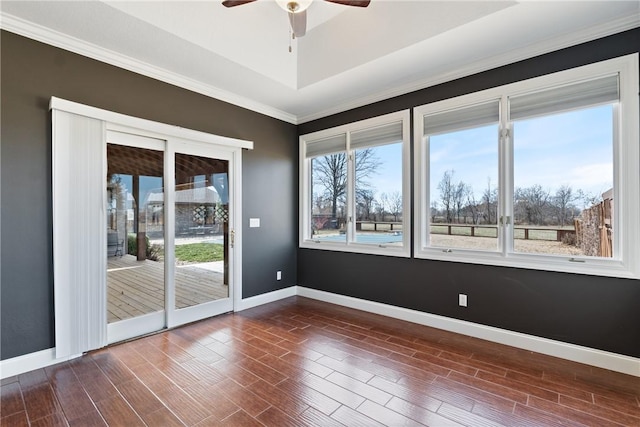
396	251
553	263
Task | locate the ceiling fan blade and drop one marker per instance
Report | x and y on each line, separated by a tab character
232	3
298	23
357	3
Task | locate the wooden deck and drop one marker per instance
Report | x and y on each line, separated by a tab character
136	287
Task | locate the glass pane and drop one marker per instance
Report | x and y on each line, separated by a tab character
379	195
563	183
135	232
201	230
328	197
463	189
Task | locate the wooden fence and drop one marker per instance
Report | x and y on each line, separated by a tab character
594	230
378	226
475	230
520	232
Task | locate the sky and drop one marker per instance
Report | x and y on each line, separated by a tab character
572	148
388	178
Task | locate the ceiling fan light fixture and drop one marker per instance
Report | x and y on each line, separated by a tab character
294	6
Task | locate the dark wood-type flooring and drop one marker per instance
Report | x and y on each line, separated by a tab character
300	362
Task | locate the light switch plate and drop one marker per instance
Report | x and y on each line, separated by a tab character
254	222
462	300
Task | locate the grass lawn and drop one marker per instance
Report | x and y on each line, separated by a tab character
200	252
535	232
480	231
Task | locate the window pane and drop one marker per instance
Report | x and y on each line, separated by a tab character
378	190
201	230
135	232
463	187
563	183
328	197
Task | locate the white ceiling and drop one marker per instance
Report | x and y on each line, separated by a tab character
349	57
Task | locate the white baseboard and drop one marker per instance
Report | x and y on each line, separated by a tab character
29	362
261	299
602	359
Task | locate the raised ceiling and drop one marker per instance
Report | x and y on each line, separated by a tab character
349	56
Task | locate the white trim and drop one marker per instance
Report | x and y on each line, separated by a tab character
236	254
602	359
135	327
118	121
266	298
29	362
626	263
175	316
46	35
54	38
305	239
134	131
500	60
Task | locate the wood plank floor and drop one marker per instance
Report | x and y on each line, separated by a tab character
136	287
300	362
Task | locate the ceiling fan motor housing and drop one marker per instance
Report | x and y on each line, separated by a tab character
294	6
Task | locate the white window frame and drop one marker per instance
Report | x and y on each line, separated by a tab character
305	239
626	149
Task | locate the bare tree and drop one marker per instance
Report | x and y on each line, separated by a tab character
434	210
395	204
459	196
364	204
331	172
563	204
384	204
473	207
379	208
532	203
490	202
447	194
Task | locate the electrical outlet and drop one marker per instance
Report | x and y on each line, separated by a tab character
278	275
462	300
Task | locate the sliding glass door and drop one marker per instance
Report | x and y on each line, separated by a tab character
201	234
168	233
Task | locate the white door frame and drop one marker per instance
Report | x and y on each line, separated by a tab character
176	317
69	333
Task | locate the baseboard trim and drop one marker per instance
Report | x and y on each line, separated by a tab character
29	362
602	359
266	298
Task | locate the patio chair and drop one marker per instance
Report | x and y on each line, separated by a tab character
115	247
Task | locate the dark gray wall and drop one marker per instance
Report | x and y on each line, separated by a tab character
33	72
597	312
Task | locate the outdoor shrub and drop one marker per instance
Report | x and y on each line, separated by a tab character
152	251
132	244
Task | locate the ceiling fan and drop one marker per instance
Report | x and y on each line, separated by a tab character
298	10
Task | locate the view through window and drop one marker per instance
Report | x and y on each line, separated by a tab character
537	174
357	179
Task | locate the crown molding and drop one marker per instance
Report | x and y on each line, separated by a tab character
60	40
42	34
536	49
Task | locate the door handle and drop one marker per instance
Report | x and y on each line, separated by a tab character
232	238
